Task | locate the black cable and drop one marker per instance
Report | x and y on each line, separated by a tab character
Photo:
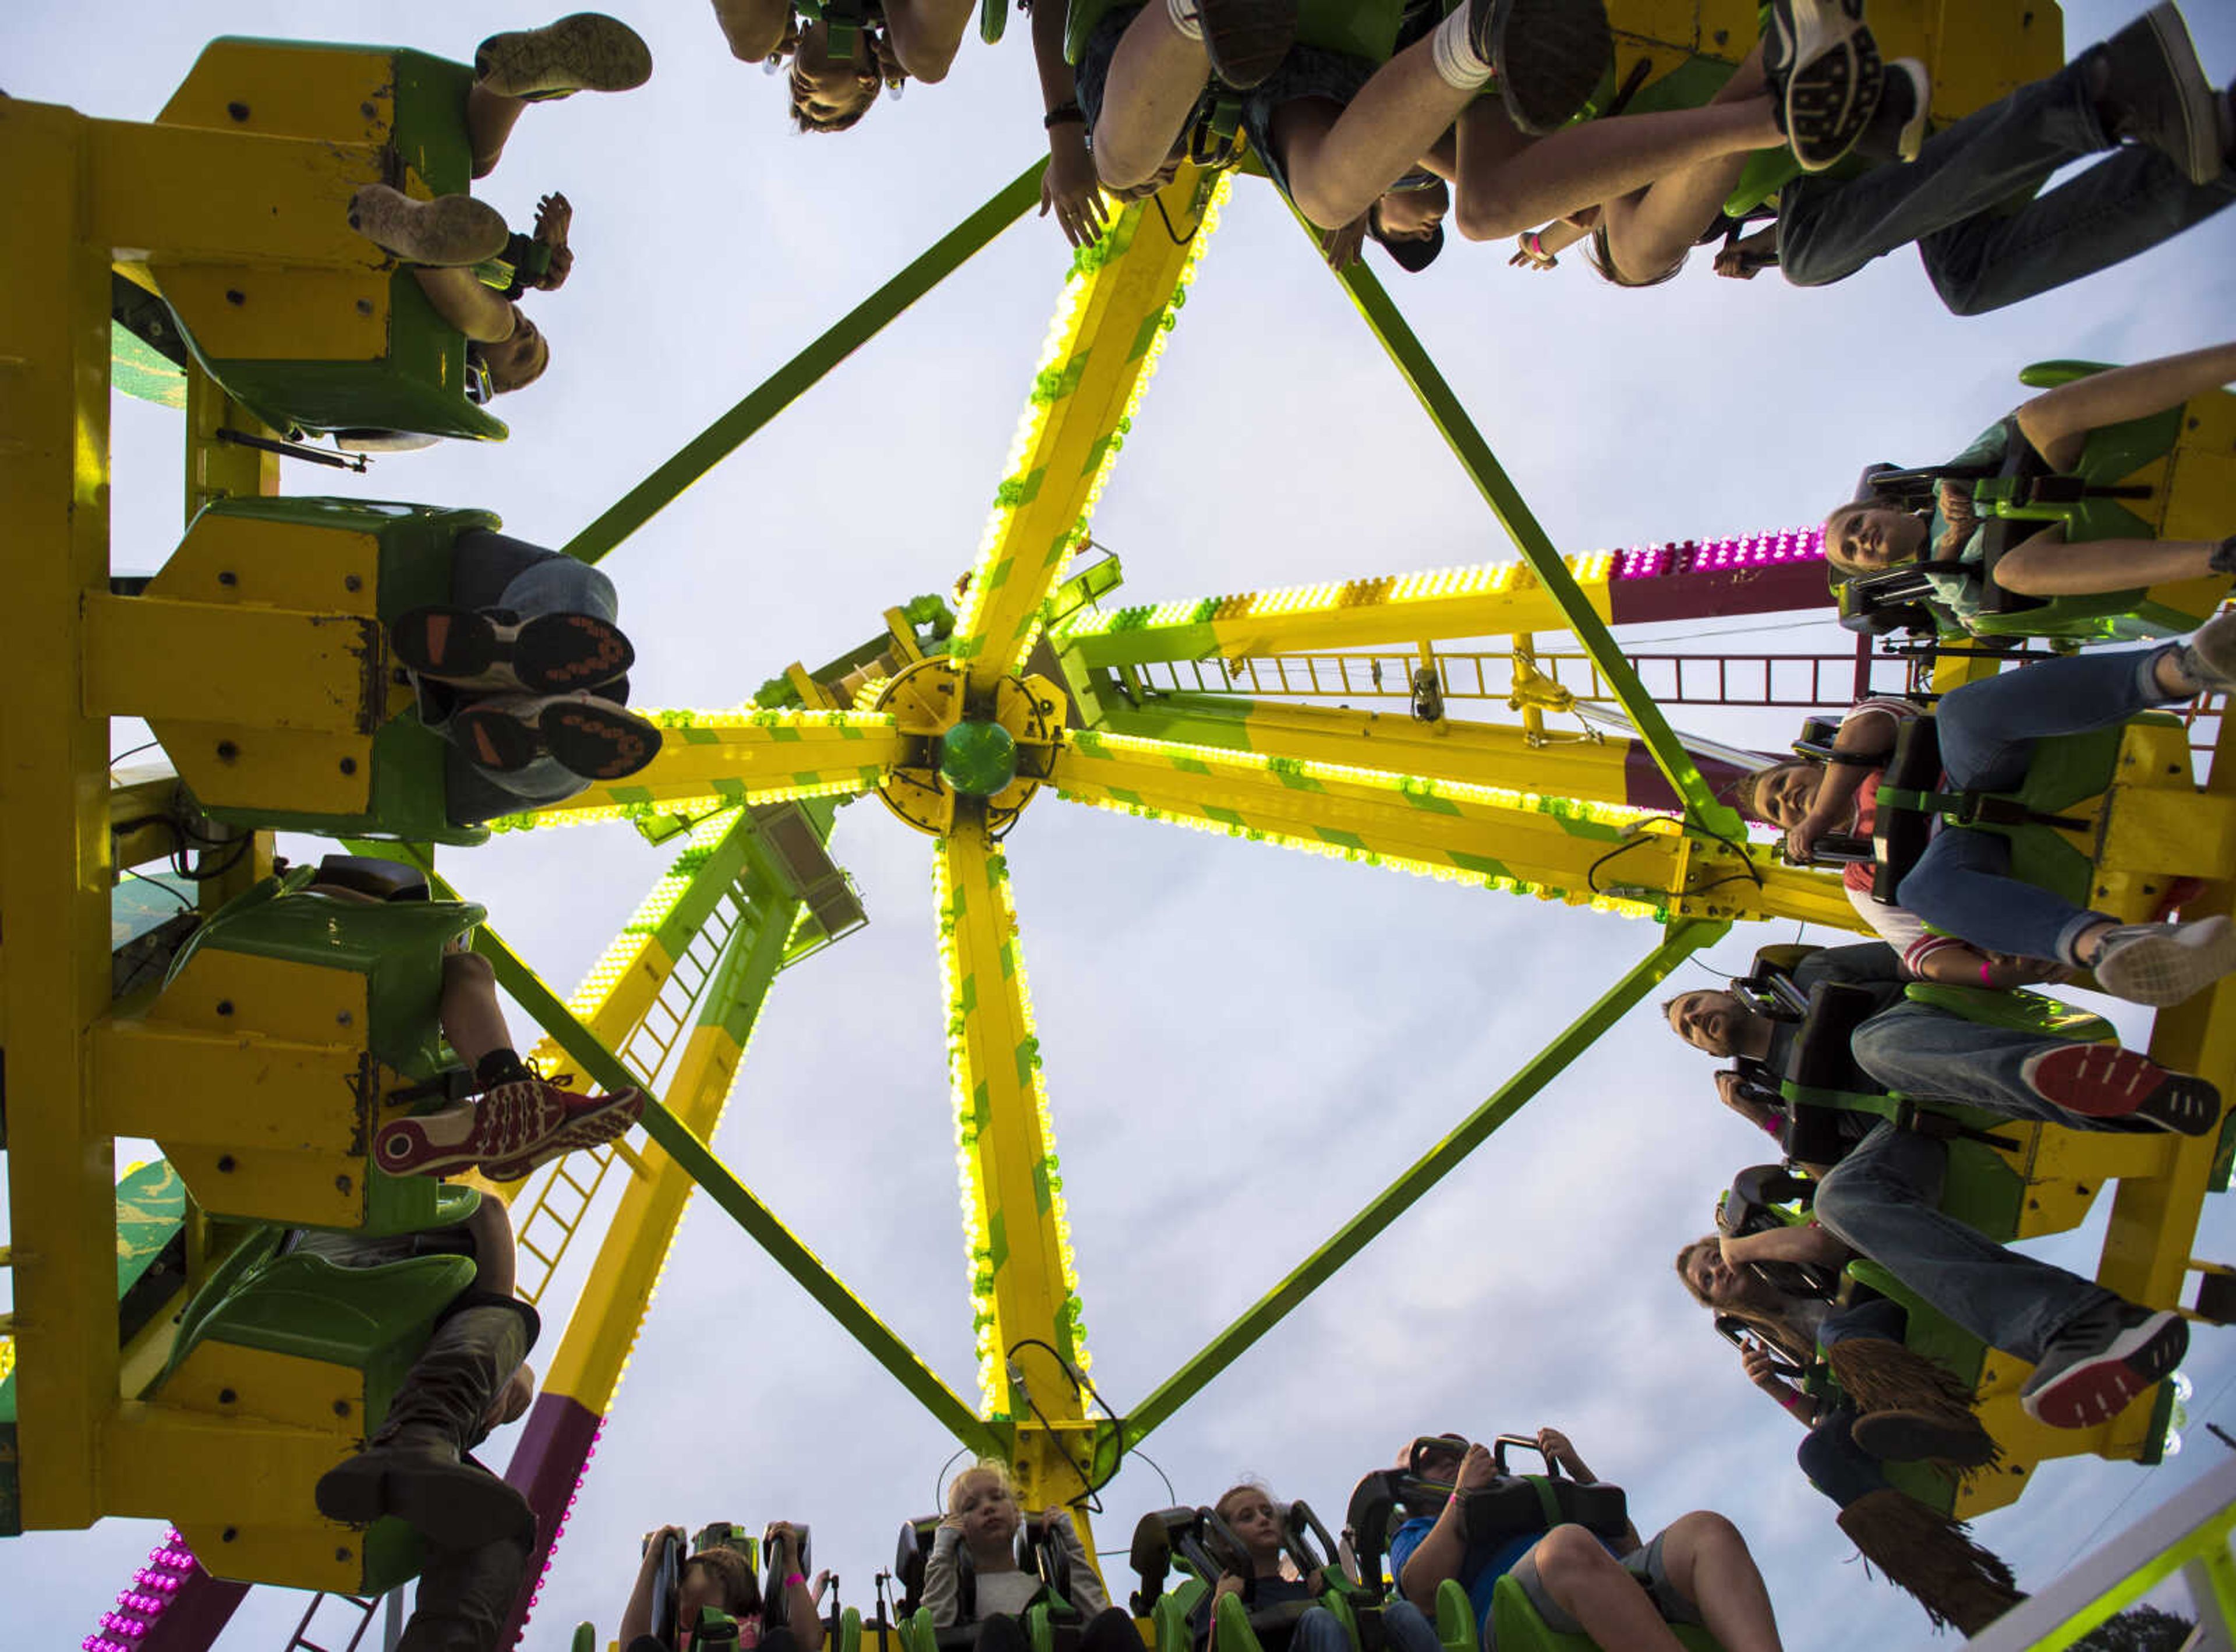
939	1480
1172	1499
1081	1384
1177	239
185	906
131	751
1591	873
1087	1487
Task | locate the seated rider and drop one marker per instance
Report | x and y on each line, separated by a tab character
1336	131
1961	890
721	1578
983	1518
2138	99
470	1379
524	672
1580	1582
896	40
2092	1350
444	240
1870	534
519	1119
1927	1555
1258	1576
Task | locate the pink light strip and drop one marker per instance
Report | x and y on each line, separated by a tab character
143	1600
1720	556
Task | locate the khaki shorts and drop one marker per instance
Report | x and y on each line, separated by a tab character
1645	1564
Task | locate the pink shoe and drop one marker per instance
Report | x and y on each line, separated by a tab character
517	1123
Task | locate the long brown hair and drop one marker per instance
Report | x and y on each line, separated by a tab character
1775	1325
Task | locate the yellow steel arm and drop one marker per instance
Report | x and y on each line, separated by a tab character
1023	1285
1102	347
1558	849
714	758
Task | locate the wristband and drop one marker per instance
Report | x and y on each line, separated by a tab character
1065	113
1985	979
795	1577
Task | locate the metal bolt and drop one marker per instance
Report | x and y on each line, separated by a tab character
349	766
227	751
229	1534
225	1163
235	295
226	1397
342	1019
225	1006
228	578
351	582
239	111
371	111
341	1408
342	1186
341	1554
364	307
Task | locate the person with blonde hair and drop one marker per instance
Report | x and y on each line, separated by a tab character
983	1519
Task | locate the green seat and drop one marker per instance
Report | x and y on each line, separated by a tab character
398	947
370	1320
407	797
416	383
1518	1628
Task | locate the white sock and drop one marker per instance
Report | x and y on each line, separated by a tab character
1454	56
1186	18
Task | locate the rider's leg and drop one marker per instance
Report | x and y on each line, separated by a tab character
2058	421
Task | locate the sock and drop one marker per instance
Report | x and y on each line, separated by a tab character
1185	17
500	1066
1453	54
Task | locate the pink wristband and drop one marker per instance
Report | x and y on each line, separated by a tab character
1985	967
796	1578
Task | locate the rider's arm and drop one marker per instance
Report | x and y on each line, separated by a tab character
1437	1557
943	1589
1804	1243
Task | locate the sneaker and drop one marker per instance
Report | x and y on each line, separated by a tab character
2104	1081
587	52
492	650
1897	129
2223	559
1824	72
2100	1361
1548	57
465	1132
447	231
1247	40
2164	963
2209	653
592	1121
2157	94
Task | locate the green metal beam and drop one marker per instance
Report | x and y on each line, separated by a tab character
789	383
761	1224
1703	806
1681	938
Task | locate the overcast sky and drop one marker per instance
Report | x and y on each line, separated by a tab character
1242	1044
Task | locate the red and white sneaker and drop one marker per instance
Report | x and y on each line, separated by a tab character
2100	1361
592	1121
2103	1081
502	1123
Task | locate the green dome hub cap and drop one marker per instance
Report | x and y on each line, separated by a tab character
977	759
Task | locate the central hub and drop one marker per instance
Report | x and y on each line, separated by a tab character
978	759
968	753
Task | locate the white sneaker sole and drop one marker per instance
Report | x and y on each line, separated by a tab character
2162	970
2099	1388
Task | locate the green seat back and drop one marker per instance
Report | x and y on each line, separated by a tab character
1455	1622
1517	1627
408	793
1168	1618
2067	771
2018	1012
396	945
419	383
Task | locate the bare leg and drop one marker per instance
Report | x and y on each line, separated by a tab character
469	1013
1591	1586
2058	421
461	299
1599	161
1340	161
753	28
490	118
926	33
1707	1561
2046	566
1650	230
1156	75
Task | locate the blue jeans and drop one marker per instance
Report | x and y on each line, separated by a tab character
1956	200
1883	1200
491	570
1961	884
1405	1628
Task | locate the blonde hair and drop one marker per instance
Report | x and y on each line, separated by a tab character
992	1465
1835	519
1776	1328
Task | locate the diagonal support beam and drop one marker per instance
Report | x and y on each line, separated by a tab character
761	1224
792	380
1677	943
1703	806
